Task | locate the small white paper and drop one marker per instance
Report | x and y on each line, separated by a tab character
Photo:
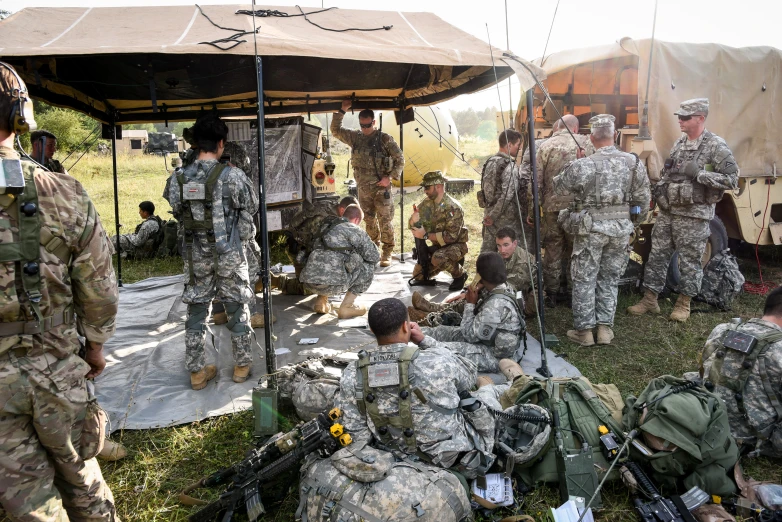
281	351
495	489
356	322
273	220
288	269
568	512
308	340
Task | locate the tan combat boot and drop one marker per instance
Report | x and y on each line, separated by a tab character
112	451
418	316
322	305
348	308
199	379
257	320
241	373
604	334
647	304
681	310
582	337
484	381
220	318
425	305
510	369
385	259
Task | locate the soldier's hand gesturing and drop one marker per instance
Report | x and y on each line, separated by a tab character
416	335
94	357
472	294
346	104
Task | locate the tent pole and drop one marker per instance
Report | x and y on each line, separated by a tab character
116	197
402	228
271	359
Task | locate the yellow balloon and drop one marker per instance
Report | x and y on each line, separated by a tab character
429	141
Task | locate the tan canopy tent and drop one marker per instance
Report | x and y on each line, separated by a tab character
141	64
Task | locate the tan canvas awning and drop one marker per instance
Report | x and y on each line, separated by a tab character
134	64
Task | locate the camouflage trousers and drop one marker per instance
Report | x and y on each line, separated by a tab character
686	235
195	358
359	281
43	477
378	214
559	249
444	259
252	252
597	264
482	355
128	249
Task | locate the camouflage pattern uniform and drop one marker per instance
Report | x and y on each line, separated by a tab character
343	260
489	331
552	157
684	225
500	186
226	277
761	427
443	434
607	184
446	220
141	242
367	162
43	393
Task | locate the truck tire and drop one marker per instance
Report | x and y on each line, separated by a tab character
718	241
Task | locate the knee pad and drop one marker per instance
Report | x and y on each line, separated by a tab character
238	319
196	317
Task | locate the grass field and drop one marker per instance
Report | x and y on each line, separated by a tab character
164	461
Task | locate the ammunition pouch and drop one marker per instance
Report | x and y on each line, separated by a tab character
676	193
660	194
575	223
93	432
481	199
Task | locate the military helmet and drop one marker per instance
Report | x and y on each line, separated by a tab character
526	440
434	177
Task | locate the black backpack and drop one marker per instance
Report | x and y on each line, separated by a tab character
722	281
166	239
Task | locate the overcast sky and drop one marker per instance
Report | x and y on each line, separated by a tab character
578	23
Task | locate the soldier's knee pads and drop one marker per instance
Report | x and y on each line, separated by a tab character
238	319
196	317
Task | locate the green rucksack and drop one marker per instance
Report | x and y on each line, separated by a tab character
169	244
687	431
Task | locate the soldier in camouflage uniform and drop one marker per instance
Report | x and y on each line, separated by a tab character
491	321
440	219
214	204
748	382
63	286
141	243
44	146
376	160
700	169
605	186
342	260
428	420
552	158
499	190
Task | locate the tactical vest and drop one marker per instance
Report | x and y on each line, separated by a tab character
734	358
369	154
391	372
599	211
328	224
682	191
33	235
203	192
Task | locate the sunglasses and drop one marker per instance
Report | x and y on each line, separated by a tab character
686	118
366	125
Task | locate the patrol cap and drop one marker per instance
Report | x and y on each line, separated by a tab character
602	120
694	107
434	177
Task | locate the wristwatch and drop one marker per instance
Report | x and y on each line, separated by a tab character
340	110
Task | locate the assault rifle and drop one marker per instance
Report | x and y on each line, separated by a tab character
284	451
661	509
424	258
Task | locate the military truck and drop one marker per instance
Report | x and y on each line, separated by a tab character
741	86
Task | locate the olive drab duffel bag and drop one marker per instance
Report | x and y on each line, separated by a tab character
362	484
686	433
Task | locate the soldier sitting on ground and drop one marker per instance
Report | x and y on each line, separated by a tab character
378	402
142	243
440	219
343	260
491	321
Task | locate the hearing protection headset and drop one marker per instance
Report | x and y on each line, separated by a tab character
21	119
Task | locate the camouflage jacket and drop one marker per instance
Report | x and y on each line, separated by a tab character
368	151
144	233
723	176
553	156
518	270
499	183
87	283
340	251
232	194
305	225
608	178
761	416
441	430
445	219
493	321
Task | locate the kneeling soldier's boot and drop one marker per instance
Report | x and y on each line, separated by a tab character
647	304
510	369
257	320
681	310
582	337
604	334
322	305
349	309
199	379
